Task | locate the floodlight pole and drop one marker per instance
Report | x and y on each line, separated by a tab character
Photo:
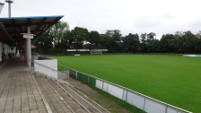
9	7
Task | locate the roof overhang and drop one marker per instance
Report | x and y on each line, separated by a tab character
4	36
11	28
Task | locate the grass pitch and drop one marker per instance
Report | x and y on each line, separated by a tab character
169	78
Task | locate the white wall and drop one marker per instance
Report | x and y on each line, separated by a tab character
154	107
48	67
111	89
143	102
135	99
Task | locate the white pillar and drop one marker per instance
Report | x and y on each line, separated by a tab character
29	47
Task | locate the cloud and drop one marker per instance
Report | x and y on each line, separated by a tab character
129	16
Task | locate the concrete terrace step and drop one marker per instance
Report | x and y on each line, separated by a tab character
82	97
66	94
54	100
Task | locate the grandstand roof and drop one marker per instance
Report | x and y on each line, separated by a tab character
11	28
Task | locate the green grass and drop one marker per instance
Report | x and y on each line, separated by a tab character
170	78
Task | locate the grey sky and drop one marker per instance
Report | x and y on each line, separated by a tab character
129	16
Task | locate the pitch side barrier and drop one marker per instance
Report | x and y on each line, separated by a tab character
134	98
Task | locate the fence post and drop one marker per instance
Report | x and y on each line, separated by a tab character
144	103
76	74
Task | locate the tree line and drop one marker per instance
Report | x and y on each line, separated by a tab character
59	38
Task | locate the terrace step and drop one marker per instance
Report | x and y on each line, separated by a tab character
54	100
90	104
62	97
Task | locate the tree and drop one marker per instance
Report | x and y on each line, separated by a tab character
189	40
59	38
43	43
150	36
143	46
145	40
153	46
143	37
198	35
131	42
167	43
115	40
58	30
94	39
57	33
68	40
79	35
186	42
105	41
178	42
198	42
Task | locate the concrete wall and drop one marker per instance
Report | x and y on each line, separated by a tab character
141	101
50	68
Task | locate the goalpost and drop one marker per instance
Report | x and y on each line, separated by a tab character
97	51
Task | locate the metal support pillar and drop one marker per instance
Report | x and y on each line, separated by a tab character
28	44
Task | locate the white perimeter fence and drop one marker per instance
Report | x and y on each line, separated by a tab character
134	98
139	100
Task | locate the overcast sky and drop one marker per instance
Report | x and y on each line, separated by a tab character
129	16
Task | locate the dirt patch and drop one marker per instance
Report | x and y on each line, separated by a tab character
107	103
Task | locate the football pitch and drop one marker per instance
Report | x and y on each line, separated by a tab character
173	79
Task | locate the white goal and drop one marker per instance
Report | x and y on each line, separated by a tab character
97	51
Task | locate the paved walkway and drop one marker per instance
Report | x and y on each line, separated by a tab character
24	91
18	91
